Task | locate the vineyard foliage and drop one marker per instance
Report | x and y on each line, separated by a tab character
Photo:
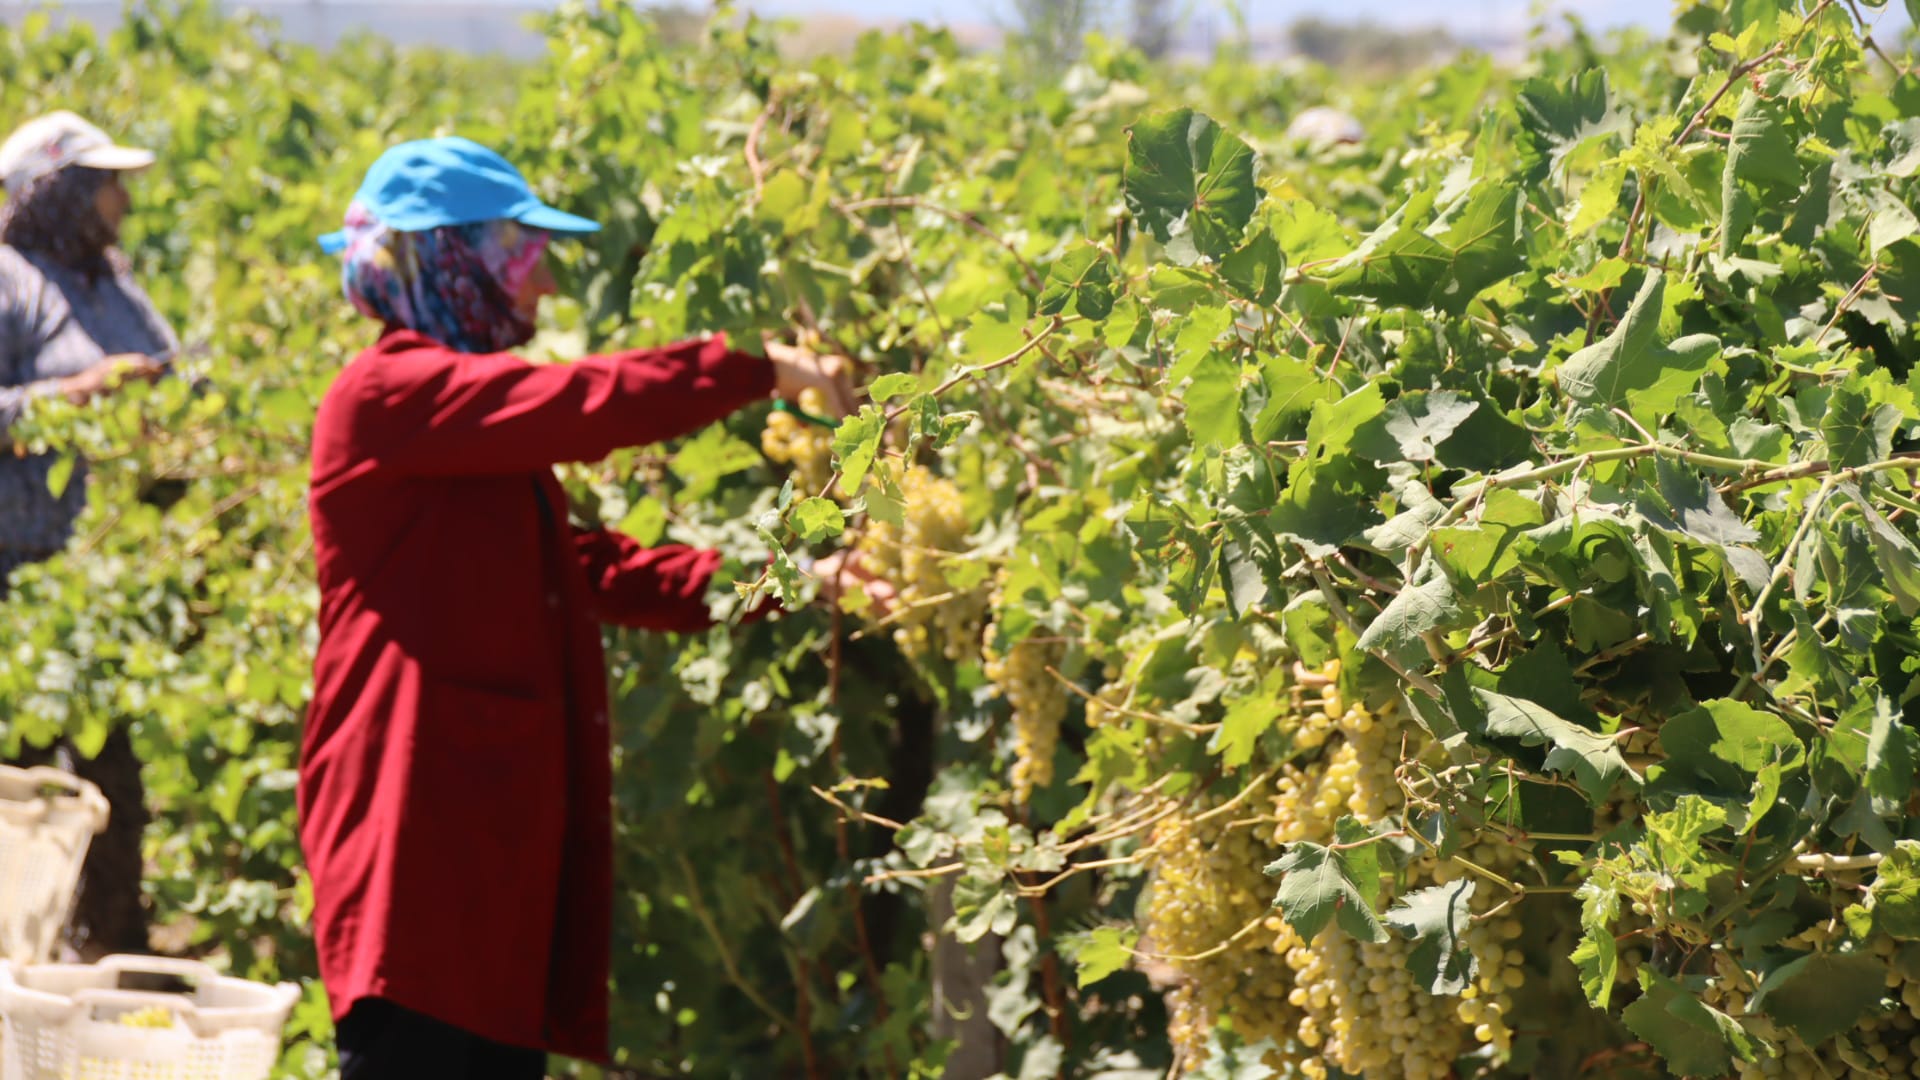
1436	606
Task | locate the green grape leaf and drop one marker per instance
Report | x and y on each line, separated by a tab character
1630	368
1413	426
1558	116
855	444
1190	184
1893	900
1594	759
1103	951
818	519
1821	995
645	521
1467	246
1212	400
1082	280
1316	888
892	385
1436	919
1693	1038
1426	604
1256	269
1761	153
1897	557
1722	745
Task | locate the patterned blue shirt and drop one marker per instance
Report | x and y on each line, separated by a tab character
54	322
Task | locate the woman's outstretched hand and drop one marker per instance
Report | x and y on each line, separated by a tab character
796	369
845	570
109	374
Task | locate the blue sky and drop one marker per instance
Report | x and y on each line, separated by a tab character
1461	15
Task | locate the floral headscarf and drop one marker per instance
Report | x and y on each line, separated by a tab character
455	283
55	216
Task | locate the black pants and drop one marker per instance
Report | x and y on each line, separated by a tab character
382	1041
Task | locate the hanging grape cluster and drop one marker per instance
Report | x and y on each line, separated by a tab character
1039	703
800	443
936	610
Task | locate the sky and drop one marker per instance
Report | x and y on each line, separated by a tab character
1464	16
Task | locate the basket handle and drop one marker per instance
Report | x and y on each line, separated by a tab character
76	788
181	1007
193	971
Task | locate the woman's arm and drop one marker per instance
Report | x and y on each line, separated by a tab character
648	588
427	410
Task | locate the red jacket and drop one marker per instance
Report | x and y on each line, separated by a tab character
455	778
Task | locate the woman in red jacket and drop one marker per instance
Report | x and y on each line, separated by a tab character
455	775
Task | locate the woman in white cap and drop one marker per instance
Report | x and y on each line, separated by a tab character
72	320
72	324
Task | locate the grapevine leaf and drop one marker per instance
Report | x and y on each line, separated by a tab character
892	385
1212	400
1758	153
1903	139
1257	268
1821	995
1693	1038
645	521
1103	951
1856	430
1424	605
819	519
1293	389
1081	279
1630	368
1413	426
1468	246
1593	758
1249	556
1559	116
1890	760
1597	957
1898	558
855	444
1246	720
1326	505
1189	183
1893	900
1435	919
982	906
1722	745
1316	888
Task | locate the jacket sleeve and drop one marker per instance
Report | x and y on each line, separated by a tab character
649	588
430	411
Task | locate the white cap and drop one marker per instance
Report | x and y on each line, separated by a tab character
52	142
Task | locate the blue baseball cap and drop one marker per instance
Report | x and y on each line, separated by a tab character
428	183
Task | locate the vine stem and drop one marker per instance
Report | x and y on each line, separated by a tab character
855	895
1152	718
698	905
1757	611
892	202
969	372
803	968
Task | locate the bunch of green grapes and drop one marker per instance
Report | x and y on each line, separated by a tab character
153	1016
1209	888
932	611
1105	706
1363	1010
1039	703
806	446
1882	1045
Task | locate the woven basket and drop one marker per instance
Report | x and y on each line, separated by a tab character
72	1022
47	820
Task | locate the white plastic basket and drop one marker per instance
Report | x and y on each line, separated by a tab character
47	820
67	1022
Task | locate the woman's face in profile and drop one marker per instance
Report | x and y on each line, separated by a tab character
111	202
